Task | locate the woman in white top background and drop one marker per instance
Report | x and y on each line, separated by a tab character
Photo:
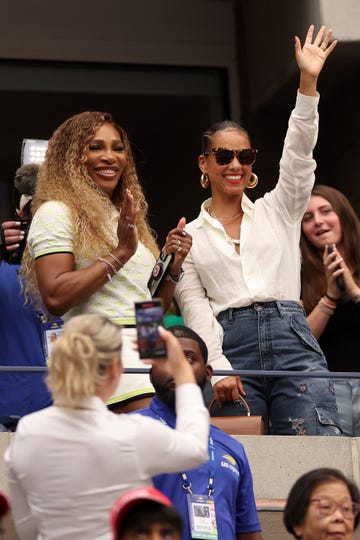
241	285
68	463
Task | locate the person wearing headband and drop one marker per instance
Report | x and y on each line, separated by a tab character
241	285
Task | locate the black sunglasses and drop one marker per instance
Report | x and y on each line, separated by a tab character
224	156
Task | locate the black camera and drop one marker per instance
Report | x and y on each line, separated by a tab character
160	271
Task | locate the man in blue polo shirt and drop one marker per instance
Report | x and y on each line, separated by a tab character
216	500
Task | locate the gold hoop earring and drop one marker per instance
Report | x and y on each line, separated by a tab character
253	181
204	180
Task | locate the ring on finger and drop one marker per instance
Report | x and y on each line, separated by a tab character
323	46
131	226
177	242
179	249
128	218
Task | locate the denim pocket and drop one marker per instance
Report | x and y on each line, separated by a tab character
301	328
326	417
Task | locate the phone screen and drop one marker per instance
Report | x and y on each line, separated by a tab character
149	315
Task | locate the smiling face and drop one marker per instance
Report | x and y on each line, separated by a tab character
316	526
106	158
228	179
321	225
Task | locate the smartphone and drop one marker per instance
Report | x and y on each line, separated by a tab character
160	271
149	315
339	279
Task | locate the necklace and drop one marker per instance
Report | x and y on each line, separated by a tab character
235	241
224	219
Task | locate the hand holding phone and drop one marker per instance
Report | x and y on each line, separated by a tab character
339	279
149	316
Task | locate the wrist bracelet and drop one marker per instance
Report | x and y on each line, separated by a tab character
331	298
110	265
325	309
107	273
175	279
114	258
327	304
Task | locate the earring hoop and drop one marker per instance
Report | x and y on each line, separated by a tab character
253	181
204	180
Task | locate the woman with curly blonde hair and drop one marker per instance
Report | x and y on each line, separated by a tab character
90	246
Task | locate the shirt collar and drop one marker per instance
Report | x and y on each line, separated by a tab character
93	403
163	411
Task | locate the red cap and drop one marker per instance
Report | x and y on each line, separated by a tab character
4	504
124	503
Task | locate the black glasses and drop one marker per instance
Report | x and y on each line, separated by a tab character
327	507
224	156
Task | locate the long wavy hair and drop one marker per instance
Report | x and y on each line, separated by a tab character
64	177
312	268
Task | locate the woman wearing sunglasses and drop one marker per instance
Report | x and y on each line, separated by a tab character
241	284
322	504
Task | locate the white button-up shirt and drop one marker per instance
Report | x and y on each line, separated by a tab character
268	265
67	467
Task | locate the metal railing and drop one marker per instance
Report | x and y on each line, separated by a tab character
224	372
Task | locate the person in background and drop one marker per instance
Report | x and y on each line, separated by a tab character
22	327
90	246
220	491
4	508
76	457
146	514
321	504
330	280
241	286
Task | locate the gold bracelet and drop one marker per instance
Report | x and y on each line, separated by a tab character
328	311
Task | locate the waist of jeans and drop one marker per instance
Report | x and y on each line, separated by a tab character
282	306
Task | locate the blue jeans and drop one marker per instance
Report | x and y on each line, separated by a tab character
276	336
348	402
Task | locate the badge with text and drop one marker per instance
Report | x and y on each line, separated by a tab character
202	516
51	330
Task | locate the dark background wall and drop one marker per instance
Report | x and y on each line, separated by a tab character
167	69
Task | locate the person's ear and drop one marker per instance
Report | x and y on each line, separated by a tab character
298	530
209	372
115	369
201	163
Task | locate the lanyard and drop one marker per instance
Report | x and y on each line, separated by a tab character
186	483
